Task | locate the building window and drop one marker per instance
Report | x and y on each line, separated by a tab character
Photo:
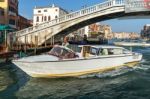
12	9
45	10
12	22
56	17
39	11
49	18
2	13
56	10
14	1
2	0
45	18
37	19
42	18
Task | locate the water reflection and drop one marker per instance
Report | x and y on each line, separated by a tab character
5	79
66	87
123	83
98	85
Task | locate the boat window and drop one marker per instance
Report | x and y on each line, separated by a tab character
77	49
93	51
56	51
125	51
113	51
62	53
110	51
104	51
117	51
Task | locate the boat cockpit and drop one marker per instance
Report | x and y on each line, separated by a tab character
89	51
86	51
62	52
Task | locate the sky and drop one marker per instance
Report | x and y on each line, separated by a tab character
118	25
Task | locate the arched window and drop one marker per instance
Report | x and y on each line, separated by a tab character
49	18
45	18
37	19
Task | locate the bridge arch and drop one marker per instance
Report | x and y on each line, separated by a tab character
75	20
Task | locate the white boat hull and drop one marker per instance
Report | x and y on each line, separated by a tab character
75	67
131	44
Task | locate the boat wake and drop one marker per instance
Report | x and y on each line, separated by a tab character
119	71
113	73
143	67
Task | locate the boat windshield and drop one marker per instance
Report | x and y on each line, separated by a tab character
62	52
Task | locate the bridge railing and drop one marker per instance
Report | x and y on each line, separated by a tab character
70	16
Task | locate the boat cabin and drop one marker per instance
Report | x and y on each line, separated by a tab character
88	51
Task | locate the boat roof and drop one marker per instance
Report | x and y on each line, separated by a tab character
102	46
64	47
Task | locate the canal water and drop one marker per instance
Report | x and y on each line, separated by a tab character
124	83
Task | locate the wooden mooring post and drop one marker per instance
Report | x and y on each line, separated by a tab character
52	41
25	46
45	42
36	45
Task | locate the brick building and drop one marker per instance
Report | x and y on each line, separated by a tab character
9	15
23	23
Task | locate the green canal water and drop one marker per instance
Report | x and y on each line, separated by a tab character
124	83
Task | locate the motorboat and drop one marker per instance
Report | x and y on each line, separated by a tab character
132	43
61	61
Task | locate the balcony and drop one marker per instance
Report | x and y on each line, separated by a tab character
13	26
12	13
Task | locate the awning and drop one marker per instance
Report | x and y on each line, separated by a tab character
5	27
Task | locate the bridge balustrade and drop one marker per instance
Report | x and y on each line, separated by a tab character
137	4
119	2
47	27
70	16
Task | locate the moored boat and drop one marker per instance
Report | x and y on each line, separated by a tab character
132	43
64	62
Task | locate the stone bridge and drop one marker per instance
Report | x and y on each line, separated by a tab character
57	28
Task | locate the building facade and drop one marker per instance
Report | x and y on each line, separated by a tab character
10	12
125	35
44	14
98	30
9	15
95	30
106	31
145	32
23	23
2	21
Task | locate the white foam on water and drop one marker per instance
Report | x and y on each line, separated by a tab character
112	73
143	61
119	71
142	67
